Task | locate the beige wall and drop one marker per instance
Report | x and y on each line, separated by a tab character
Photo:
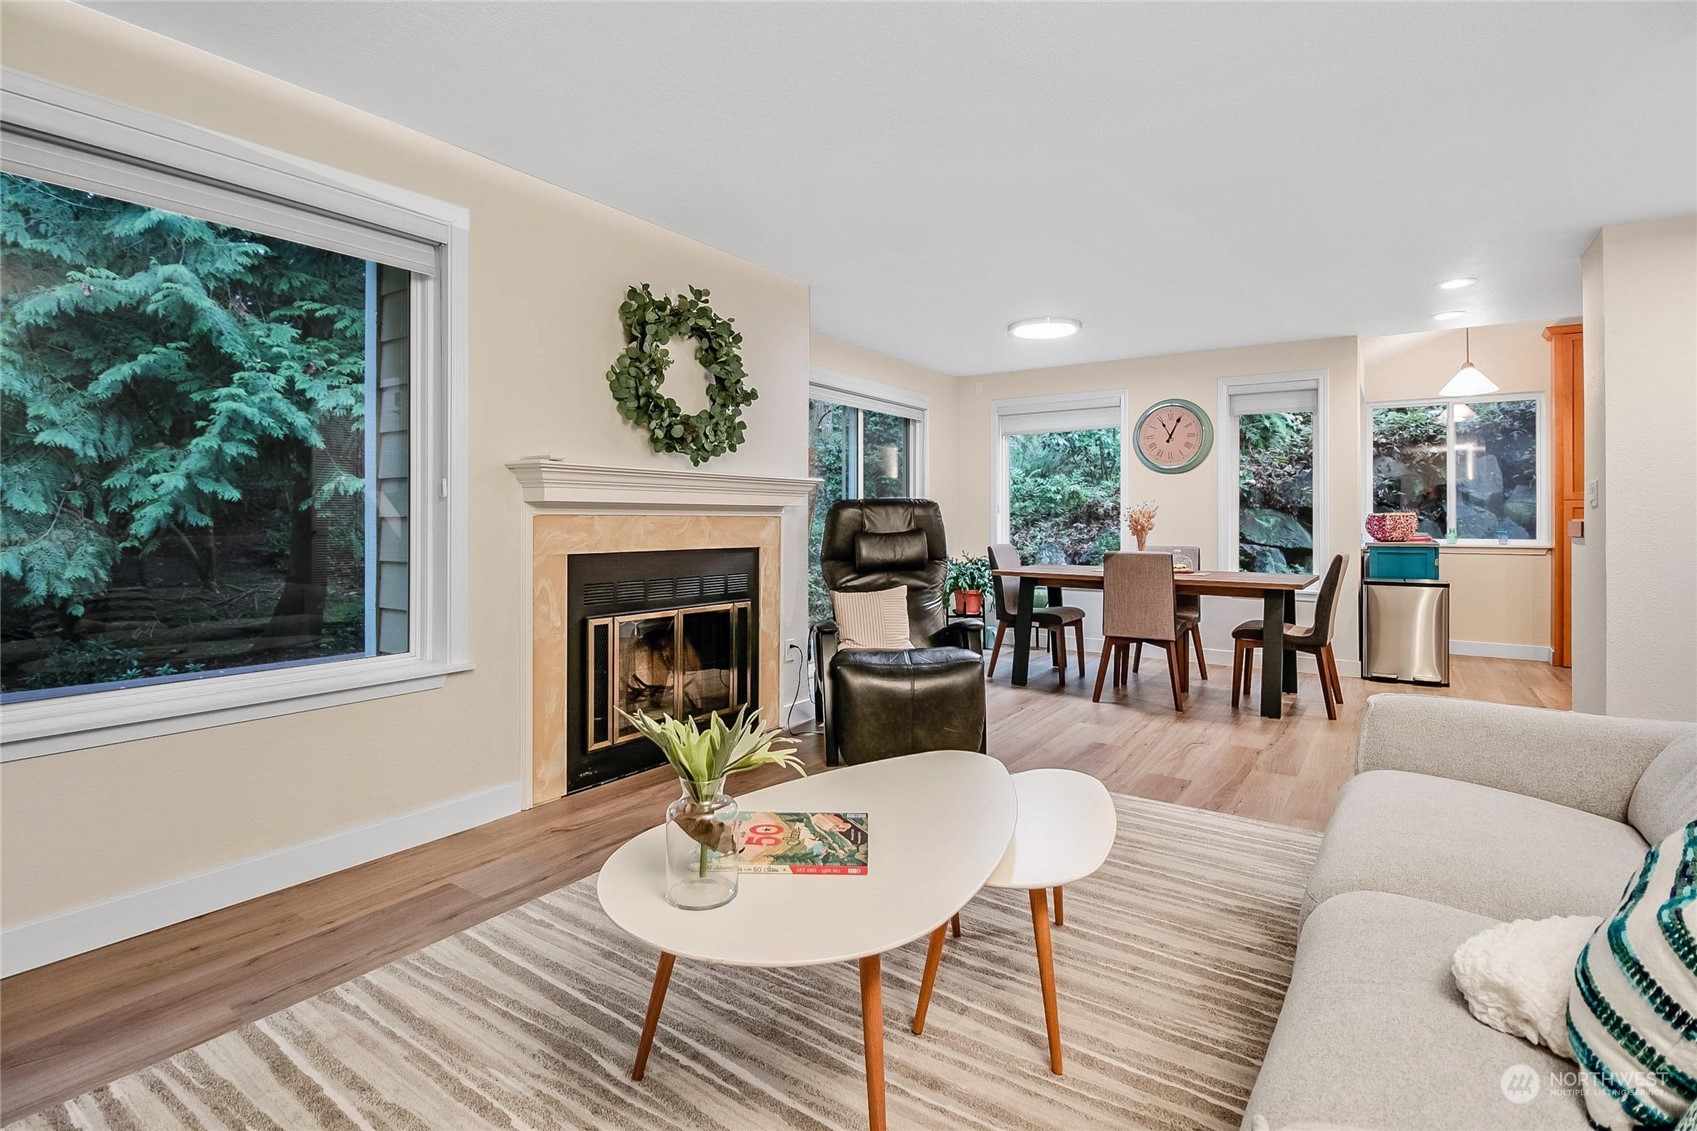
1635	572
1497	597
1189	503
548	270
942	450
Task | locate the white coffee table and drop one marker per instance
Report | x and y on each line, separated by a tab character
938	824
1065	830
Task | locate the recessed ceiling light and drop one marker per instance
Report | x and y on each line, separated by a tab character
1456	284
1450	315
1044	329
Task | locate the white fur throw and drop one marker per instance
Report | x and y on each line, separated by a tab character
1516	976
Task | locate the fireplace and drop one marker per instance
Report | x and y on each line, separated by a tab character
663	631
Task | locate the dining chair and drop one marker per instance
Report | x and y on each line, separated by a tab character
1193	555
1140	606
1315	639
1055	618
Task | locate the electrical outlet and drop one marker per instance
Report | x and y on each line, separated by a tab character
792	646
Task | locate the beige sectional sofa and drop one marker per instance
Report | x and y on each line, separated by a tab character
1461	815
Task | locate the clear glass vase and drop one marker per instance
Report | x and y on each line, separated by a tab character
702	837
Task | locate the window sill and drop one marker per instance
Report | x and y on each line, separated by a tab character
103	718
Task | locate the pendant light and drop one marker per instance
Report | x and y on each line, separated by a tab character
1468	381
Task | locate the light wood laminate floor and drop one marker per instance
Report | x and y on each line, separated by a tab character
87	1020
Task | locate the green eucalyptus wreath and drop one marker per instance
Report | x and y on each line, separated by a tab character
636	377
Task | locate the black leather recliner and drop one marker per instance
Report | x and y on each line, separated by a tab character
880	704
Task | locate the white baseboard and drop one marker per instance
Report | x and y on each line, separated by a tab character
1501	651
40	941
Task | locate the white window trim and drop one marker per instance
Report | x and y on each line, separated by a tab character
440	557
1541	464
1061	404
1228	440
892	400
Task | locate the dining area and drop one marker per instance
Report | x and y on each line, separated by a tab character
1153	597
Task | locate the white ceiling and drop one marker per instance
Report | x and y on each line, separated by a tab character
1178	176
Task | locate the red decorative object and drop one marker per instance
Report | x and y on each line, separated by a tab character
969	602
1392	526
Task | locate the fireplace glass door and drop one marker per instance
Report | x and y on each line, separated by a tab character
691	661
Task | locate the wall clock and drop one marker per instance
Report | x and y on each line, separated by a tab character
1173	436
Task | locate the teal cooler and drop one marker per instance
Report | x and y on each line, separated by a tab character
1402	561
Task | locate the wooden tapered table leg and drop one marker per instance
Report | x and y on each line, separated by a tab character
1046	974
933	956
656	998
872	1026
954	925
1060	911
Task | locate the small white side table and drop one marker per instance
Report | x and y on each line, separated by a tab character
1065	830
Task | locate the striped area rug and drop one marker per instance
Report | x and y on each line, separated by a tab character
1171	969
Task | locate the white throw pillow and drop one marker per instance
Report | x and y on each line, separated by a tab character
873	619
1516	976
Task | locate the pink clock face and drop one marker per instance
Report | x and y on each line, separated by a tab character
1171	436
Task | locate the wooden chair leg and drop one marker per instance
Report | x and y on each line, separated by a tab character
1122	656
1326	688
1248	667
1332	666
1078	631
1061	652
1046	975
1237	671
1173	675
996	649
1137	657
1102	669
1060	912
1183	644
1201	660
933	955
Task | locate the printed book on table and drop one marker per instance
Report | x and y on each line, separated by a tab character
804	844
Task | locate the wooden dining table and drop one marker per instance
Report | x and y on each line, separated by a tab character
1277	592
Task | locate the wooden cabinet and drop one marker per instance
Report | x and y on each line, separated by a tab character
1567	467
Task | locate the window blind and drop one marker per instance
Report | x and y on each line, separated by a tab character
1253	402
1013	420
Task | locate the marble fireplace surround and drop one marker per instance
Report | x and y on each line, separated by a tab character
576	509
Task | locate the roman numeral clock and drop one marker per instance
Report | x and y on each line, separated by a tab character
1173	436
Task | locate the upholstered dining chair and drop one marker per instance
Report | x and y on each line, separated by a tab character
1140	606
1315	639
1055	618
1193	555
884	702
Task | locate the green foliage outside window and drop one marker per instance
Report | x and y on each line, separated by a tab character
1064	495
178	400
1276	492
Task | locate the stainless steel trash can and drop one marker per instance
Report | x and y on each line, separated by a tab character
1405	631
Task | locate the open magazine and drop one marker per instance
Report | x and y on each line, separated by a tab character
804	844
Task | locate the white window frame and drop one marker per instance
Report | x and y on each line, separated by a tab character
109	148
1067	412
1230	439
1543	539
875	396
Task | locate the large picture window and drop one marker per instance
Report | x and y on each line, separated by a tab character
1060	466
865	440
231	472
1272	475
1470	468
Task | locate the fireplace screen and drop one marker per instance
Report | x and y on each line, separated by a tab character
691	661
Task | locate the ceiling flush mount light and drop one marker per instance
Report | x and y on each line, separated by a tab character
1468	381
1044	329
1456	284
1449	316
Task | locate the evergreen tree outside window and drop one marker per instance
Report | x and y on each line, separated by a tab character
203	442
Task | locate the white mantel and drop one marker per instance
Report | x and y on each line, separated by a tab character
556	485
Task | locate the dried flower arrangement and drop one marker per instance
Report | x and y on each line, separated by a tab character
1140	520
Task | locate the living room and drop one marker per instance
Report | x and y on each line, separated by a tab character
353	853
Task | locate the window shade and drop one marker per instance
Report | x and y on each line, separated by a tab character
1252	402
59	163
1013	420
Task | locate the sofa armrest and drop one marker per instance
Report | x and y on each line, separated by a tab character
1589	762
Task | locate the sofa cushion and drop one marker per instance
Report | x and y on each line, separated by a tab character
1374	1034
1666	796
1472	847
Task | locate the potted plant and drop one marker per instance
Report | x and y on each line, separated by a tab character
701	825
967	579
